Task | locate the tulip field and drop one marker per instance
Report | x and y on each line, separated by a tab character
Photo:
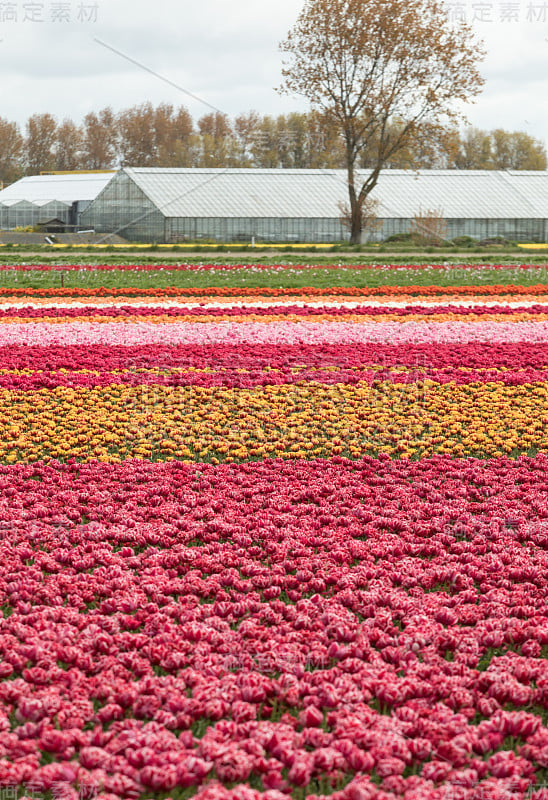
264	542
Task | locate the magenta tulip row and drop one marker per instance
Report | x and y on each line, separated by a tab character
502	355
125	311
373	628
35	367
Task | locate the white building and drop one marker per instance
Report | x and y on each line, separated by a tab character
39	198
300	205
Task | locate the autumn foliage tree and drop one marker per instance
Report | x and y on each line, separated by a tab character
40	143
368	63
68	146
516	150
99	139
164	136
11	151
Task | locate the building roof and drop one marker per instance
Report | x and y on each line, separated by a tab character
63	188
315	193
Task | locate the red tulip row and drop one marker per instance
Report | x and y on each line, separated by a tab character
505	356
376	629
241	379
224	365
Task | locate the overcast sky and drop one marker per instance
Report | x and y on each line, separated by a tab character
226	53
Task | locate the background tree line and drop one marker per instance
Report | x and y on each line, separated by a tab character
165	136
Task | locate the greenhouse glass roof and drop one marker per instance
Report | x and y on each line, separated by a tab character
306	193
64	188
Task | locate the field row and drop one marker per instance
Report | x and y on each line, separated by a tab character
274	543
286	626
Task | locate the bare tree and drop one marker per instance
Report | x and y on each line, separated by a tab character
429	226
365	63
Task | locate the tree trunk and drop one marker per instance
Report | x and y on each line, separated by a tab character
356	225
355	207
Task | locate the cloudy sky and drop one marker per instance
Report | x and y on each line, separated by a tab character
55	56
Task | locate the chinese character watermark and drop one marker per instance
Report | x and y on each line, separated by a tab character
456	11
482	12
509	12
55	12
537	12
8	12
59	790
503	11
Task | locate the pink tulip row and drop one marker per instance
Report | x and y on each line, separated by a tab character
376	629
277	333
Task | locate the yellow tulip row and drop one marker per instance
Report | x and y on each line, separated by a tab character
290	421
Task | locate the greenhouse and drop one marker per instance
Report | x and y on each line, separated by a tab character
291	205
39	198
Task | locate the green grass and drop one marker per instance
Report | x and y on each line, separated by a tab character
387	253
297	278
